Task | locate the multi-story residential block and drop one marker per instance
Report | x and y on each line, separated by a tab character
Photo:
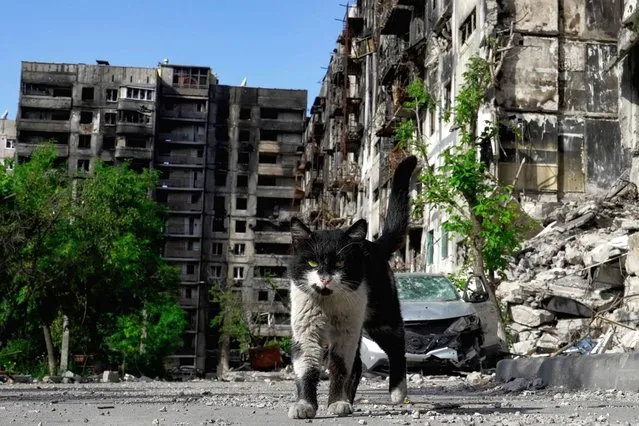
553	83
227	158
7	138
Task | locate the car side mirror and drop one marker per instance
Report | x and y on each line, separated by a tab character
475	290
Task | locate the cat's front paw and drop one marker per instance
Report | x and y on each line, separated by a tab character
301	410
340	408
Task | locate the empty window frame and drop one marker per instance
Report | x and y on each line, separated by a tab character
87	93
215	271
241	203
110	118
139	94
238	272
133	117
84	141
111	95
242	181
239	249
86	117
468	27
240	226
10	144
83	165
108	142
190	77
217	249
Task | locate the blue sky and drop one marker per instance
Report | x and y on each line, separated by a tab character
274	43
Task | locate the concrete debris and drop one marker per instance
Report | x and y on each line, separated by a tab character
110	377
577	279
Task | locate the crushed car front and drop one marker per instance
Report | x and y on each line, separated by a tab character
440	328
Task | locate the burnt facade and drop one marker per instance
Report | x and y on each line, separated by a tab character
227	158
553	84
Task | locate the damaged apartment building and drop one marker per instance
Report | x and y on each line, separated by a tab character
555	85
227	158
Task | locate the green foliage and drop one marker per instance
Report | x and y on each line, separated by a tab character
232	319
24	356
144	338
477	206
87	248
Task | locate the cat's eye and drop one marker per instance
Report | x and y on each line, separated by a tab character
312	264
339	263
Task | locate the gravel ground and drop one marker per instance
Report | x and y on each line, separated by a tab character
434	400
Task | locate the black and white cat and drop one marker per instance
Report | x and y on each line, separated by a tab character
342	284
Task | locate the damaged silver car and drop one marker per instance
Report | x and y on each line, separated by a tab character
441	329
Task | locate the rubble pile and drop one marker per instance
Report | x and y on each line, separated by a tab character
576	281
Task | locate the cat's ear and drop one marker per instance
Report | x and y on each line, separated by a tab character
299	231
357	231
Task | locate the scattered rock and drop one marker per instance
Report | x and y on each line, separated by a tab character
530	317
110	377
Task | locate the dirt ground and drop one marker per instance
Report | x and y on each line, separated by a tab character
434	400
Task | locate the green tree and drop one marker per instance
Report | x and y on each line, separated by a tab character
88	249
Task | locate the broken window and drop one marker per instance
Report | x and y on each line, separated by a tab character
268	158
193	246
238	272
84	141
281	295
220	178
111	95
139	94
218	224
110	118
245	136
262	295
468	27
190	269
196	78
83	166
245	114
239	249
242	181
133	117
272	248
447	95
269	113
243	158
241	203
215	271
375	194
240	226
266	180
222	113
430	247
217	249
444	243
10	143
108	142
87	93
195	197
86	117
188	293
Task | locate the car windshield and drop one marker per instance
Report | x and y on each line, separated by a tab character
425	288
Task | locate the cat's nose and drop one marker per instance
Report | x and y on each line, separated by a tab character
325	280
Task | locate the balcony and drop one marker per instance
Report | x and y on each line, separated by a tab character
272	259
281	125
395	16
27	149
134	129
182	253
181	139
184	184
276	192
272	237
135	104
275	170
49	126
133	152
180	206
45	102
181	231
179	161
183	114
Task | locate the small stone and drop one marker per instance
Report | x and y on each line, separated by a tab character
416	414
163	410
362	422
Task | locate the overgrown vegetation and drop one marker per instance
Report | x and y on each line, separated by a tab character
87	250
478	208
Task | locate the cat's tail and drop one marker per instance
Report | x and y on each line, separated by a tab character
398	211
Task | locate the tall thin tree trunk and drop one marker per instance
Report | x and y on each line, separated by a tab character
225	353
50	352
64	350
